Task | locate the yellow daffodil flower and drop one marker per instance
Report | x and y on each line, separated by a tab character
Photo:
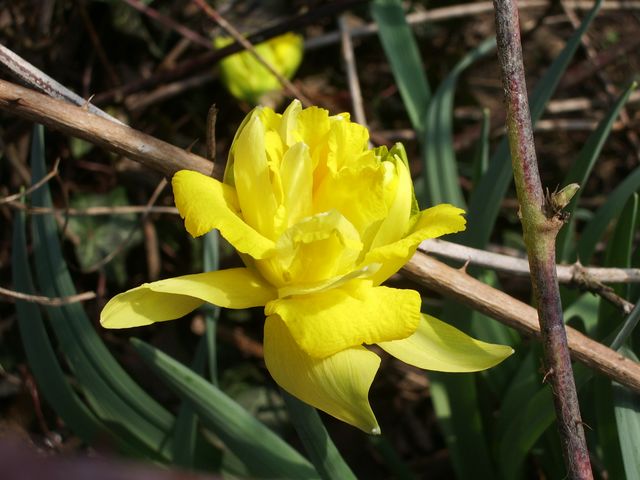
249	80
320	221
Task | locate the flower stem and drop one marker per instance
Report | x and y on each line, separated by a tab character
540	224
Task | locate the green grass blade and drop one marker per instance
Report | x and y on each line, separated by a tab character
618	254
487	196
455	400
594	230
525	428
627	413
264	453
481	156
440	167
130	413
404	56
398	469
211	262
316	440
186	430
581	169
41	356
627	327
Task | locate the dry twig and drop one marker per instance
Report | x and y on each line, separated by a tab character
48	301
459	286
114	137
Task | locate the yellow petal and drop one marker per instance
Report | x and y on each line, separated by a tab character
355	313
174	297
317	248
296	173
347	141
289	125
205	204
399	197
338	384
443	348
432	222
252	178
357	194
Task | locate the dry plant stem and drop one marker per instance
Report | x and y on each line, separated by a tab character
48	301
520	266
170	23
29	74
35	186
540	228
352	71
238	37
458	285
114	137
589	279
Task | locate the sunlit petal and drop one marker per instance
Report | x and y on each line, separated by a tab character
205	204
355	313
338	384
252	179
438	346
174	297
432	222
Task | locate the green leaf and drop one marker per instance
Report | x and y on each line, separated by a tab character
531	421
211	252
618	254
404	56
316	440
129	412
440	168
487	196
99	235
594	230
186	431
456	403
262	451
581	169
627	413
481	156
41	355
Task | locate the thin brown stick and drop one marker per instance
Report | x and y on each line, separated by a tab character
76	121
238	37
93	211
34	187
48	301
352	71
122	245
540	226
459	286
29	74
520	266
170	23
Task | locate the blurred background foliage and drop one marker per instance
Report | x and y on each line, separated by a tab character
195	393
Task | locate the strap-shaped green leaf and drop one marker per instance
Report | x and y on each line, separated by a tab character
262	451
440	167
581	169
487	196
404	56
316	440
130	413
41	355
627	413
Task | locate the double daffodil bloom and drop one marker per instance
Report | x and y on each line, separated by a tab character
247	79
320	221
